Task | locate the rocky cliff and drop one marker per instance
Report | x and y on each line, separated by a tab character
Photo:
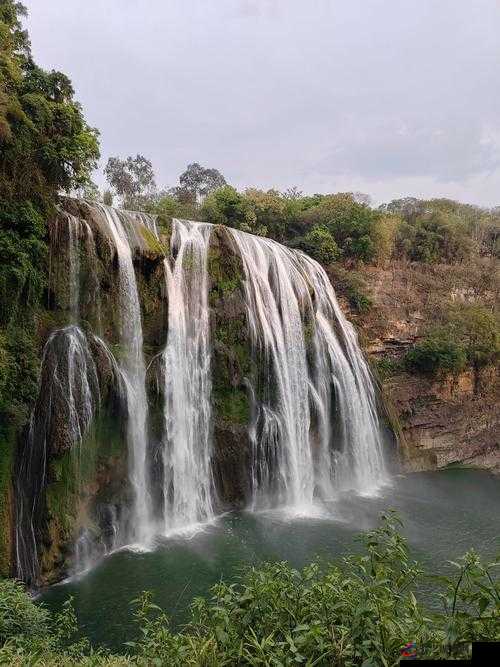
443	420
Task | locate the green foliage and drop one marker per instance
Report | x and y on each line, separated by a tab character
226	206
468	334
471	603
477	329
132	180
269	210
23	253
319	244
20	619
350	222
19	370
433	237
360	611
352	286
45	143
443	230
436	355
386	366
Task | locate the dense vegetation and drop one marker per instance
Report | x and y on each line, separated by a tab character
467	335
361	611
45	147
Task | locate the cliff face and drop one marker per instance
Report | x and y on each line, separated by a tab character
451	419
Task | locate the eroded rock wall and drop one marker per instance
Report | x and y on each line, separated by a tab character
442	420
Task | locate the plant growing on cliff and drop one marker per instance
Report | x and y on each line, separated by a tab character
467	335
436	354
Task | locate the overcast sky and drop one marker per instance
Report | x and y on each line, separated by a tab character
388	97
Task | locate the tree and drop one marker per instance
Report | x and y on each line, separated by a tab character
132	179
45	143
319	244
270	210
435	236
350	223
196	182
226	206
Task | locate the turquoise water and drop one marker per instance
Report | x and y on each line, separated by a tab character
445	514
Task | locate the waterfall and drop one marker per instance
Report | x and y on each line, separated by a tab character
74	264
187	479
311	361
313	428
360	460
133	369
67	401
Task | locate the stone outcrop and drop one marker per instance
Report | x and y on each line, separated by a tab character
441	421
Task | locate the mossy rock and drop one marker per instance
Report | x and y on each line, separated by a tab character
153	244
232	405
225	266
78	481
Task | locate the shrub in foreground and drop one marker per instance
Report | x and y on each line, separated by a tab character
359	612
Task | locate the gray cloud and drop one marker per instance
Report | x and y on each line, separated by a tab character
376	95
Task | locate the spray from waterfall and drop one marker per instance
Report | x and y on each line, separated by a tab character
187	478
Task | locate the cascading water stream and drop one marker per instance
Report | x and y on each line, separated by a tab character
360	464
187	478
63	413
274	292
74	264
134	375
292	310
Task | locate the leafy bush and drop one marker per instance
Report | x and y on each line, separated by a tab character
468	334
22	258
386	366
436	355
270	211
351	285
226	206
477	329
19	617
350	222
319	244
360	611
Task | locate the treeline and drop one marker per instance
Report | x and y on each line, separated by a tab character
362	611
329	227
